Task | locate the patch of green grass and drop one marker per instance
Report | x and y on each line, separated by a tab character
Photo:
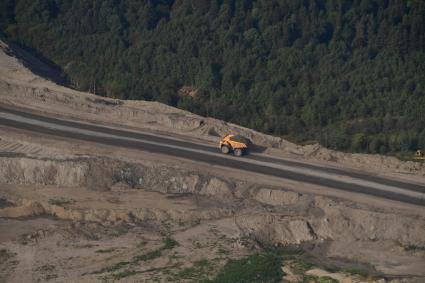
253	268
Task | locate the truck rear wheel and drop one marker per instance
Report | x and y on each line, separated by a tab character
238	152
225	149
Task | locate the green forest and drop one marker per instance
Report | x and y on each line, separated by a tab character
349	74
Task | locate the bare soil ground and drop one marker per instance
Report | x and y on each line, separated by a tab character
75	211
79	212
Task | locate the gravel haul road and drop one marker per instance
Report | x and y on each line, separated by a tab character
336	178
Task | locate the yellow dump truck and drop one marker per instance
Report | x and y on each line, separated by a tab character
237	144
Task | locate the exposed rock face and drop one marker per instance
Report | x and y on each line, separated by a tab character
43	172
345	222
217	188
293	221
275	229
102	173
277	197
29	208
267	215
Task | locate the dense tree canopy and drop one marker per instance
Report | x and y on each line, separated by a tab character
350	74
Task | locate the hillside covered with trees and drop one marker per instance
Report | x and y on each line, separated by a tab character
350	74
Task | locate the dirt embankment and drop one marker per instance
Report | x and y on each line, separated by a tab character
144	192
20	87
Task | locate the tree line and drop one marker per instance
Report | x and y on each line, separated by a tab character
347	73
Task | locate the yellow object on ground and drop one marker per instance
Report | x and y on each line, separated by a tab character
236	143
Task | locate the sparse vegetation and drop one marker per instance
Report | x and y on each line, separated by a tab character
317	279
5	255
253	268
124	274
61	201
299	266
360	273
414	248
46	268
327	279
4	203
148	256
223	251
128	273
113	268
85	246
141	244
105	251
47	272
197	244
199	271
168	244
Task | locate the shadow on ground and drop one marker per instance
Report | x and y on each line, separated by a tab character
37	63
